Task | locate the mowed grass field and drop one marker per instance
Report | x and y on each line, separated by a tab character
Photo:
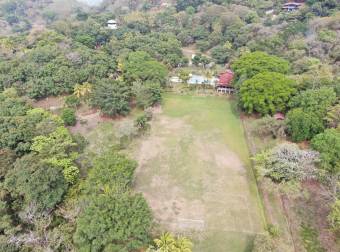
195	172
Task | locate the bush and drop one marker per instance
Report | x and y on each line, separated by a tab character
72	101
286	162
69	117
303	125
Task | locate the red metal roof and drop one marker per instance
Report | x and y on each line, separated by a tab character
279	116
225	79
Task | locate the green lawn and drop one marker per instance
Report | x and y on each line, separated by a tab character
195	172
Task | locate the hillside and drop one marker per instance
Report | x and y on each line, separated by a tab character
179	126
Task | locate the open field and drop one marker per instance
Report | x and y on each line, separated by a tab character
195	172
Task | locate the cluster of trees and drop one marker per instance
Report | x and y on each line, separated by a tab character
46	204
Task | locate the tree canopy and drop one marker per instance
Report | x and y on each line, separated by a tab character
266	93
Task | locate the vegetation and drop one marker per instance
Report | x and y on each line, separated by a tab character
54	191
266	93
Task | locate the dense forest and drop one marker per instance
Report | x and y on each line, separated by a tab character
56	197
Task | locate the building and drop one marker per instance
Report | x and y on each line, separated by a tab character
291	6
279	116
112	24
175	80
224	83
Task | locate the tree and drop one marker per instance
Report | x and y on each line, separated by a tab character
112	97
266	93
69	117
286	162
168	243
114	222
303	125
250	64
328	144
184	4
36	182
315	100
83	91
110	169
141	66
221	54
57	149
147	94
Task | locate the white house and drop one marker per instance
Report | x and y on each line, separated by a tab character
112	24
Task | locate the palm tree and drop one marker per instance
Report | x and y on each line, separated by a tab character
166	243
183	244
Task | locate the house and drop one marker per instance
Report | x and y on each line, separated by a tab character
175	80
224	82
291	6
279	116
112	24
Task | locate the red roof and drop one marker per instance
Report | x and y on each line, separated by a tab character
225	79
279	116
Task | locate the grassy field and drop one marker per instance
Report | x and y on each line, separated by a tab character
195	172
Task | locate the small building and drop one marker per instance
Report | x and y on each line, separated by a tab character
291	6
279	116
224	83
112	24
175	79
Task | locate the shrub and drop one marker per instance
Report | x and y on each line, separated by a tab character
286	162
72	101
69	117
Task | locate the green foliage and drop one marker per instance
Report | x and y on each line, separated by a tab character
266	93
56	149
315	100
184	4
112	97
114	222
69	116
334	216
110	169
72	101
140	66
310	239
332	117
250	64
141	122
19	124
303	125
167	242
7	158
221	54
147	94
38	183
328	144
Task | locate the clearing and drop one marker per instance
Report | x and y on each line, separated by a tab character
195	172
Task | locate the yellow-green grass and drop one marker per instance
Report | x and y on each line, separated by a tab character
195	172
